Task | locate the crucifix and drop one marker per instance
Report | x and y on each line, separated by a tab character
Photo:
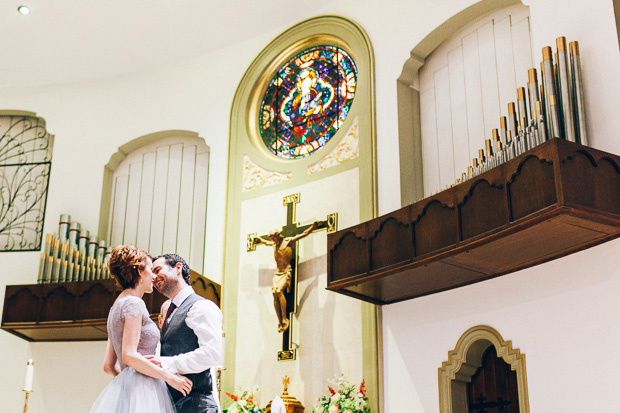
284	286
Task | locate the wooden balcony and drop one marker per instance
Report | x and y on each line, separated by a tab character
76	311
554	200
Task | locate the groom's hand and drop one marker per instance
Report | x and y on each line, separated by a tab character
154	359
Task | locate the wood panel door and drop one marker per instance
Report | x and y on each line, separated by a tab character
493	388
465	86
159	199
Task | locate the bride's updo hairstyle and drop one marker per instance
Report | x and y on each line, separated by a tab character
125	265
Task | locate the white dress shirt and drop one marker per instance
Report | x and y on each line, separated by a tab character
205	319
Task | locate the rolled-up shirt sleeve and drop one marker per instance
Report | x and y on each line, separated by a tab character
205	319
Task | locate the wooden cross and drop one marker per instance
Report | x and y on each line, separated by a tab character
285	279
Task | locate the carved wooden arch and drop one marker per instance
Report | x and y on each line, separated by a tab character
465	359
533	174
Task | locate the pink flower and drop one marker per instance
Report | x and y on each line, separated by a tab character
334	408
348	411
233	410
335	397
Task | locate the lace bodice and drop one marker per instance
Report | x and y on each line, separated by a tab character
127	307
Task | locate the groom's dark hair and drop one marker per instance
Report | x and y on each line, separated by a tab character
172	260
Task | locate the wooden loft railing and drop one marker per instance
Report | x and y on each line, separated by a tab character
553	200
76	311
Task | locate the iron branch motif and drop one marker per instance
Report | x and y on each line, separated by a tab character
24	138
25	155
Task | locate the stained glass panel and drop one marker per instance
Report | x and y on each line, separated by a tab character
307	101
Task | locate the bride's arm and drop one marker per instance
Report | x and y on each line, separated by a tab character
109	361
131	357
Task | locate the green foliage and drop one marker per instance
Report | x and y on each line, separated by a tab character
344	397
244	403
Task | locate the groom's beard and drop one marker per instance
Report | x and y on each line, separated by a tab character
166	287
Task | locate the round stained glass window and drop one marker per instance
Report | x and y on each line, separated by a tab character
307	101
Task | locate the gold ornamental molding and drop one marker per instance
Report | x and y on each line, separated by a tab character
245	139
255	177
465	359
347	149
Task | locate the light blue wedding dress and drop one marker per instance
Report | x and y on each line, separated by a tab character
131	391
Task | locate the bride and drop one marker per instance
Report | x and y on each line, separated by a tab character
139	386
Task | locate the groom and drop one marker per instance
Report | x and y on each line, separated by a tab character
191	337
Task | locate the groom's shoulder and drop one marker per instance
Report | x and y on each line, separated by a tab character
202	302
195	297
205	304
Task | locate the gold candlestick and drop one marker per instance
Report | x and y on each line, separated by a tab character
290	402
26	401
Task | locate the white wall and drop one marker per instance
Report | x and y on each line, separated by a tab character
91	119
563	314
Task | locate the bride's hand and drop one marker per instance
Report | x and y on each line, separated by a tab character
180	383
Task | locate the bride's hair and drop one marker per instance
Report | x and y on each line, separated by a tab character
125	265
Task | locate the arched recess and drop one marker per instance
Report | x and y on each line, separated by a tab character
25	164
616	4
255	174
154	195
247	153
464	360
408	96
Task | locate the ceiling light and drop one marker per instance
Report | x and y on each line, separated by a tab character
23	10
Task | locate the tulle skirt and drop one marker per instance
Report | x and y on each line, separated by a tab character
133	392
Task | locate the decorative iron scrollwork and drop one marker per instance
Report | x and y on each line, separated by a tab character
25	163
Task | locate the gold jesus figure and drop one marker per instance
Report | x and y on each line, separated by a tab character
283	253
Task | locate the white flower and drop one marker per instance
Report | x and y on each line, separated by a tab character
242	402
360	395
335	397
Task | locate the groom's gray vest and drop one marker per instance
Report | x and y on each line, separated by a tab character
179	339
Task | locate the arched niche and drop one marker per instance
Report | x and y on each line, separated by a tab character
25	164
408	96
466	358
154	195
616	4
255	174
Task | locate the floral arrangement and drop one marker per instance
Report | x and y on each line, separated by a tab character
344	397
244	403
